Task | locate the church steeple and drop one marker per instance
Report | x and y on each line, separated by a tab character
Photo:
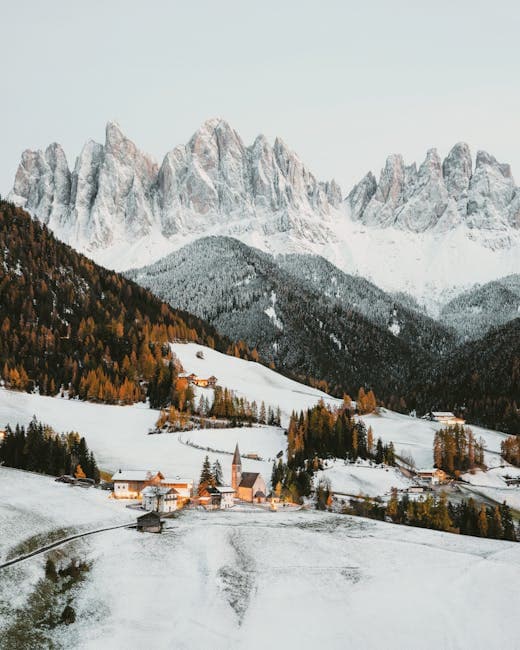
236	469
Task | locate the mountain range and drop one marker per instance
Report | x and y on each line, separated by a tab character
432	230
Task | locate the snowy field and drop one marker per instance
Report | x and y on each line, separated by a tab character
362	478
414	436
255	579
118	434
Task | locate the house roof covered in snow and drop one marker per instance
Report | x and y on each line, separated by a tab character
177	480
154	490
443	414
224	489
136	475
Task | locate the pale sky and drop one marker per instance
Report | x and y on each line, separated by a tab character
343	83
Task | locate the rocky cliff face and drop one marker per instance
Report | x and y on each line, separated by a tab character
116	193
441	196
429	230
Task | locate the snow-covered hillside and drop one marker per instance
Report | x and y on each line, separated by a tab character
250	380
223	580
118	435
439	228
414	436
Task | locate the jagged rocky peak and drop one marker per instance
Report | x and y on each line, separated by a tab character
116	193
439	195
456	169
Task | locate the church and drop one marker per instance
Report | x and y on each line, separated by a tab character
248	486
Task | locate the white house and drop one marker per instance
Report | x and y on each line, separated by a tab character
227	496
159	499
183	486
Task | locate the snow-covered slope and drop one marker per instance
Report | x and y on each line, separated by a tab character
250	380
223	580
439	228
414	436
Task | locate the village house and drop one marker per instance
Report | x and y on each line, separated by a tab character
129	483
184	379
249	486
183	486
159	499
227	496
431	476
218	497
445	417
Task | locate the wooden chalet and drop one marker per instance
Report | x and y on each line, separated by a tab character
150	523
445	417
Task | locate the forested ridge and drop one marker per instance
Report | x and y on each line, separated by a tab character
340	336
68	324
479	380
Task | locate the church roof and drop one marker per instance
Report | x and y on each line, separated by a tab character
248	479
236	457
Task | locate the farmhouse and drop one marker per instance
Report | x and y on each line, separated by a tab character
432	476
445	417
129	483
201	382
249	486
159	499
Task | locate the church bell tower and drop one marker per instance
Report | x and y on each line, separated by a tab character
236	469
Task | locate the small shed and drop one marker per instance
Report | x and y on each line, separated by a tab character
149	523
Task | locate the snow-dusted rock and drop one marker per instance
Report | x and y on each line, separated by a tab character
440	197
117	194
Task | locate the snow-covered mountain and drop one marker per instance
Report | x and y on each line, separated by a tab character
441	196
117	194
431	231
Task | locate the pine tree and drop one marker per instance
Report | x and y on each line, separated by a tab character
216	471
206	476
262	416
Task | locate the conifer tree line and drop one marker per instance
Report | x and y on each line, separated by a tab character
455	449
210	475
38	448
510	448
466	517
291	483
67	324
226	404
321	432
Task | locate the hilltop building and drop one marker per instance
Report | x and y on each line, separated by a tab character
445	417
